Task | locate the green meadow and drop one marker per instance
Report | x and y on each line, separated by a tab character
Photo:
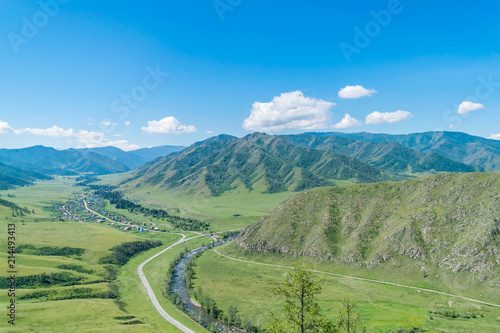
134	312
231	210
383	308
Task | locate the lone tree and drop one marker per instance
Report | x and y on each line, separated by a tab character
349	317
302	312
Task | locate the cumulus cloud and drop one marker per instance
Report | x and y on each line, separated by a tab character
356	91
127	123
376	117
53	131
289	111
96	139
210	132
84	139
495	136
6	128
468	106
348	122
168	125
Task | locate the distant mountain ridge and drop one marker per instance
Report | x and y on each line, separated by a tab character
456	146
390	157
257	161
48	160
20	167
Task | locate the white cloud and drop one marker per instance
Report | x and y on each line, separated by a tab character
468	106
356	91
376	117
127	123
347	122
210	132
6	128
53	131
122	144
108	123
85	139
96	139
168	125
495	136
289	111
90	138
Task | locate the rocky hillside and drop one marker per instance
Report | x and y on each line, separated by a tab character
448	220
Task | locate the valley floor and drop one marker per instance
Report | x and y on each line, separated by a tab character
246	283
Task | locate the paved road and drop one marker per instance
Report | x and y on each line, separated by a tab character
362	279
152	295
104	217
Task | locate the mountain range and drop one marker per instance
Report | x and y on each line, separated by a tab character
389	156
270	163
257	161
457	146
265	163
19	167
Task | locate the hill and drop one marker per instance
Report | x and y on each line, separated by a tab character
450	221
460	147
391	157
46	160
258	161
127	158
11	177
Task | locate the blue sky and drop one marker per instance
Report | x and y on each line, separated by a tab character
138	74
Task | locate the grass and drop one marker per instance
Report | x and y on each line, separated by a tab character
76	315
219	211
135	296
383	308
40	195
156	273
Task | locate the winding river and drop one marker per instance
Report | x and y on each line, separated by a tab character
179	286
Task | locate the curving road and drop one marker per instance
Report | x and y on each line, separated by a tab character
362	279
152	295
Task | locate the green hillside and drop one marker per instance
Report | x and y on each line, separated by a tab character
258	162
11	177
447	221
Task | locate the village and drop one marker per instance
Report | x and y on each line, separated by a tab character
92	208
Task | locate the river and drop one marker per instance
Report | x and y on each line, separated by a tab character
179	286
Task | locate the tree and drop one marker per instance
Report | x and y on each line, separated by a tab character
302	312
348	318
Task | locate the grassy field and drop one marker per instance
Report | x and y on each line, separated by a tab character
248	206
136	298
219	211
80	315
41	195
383	308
